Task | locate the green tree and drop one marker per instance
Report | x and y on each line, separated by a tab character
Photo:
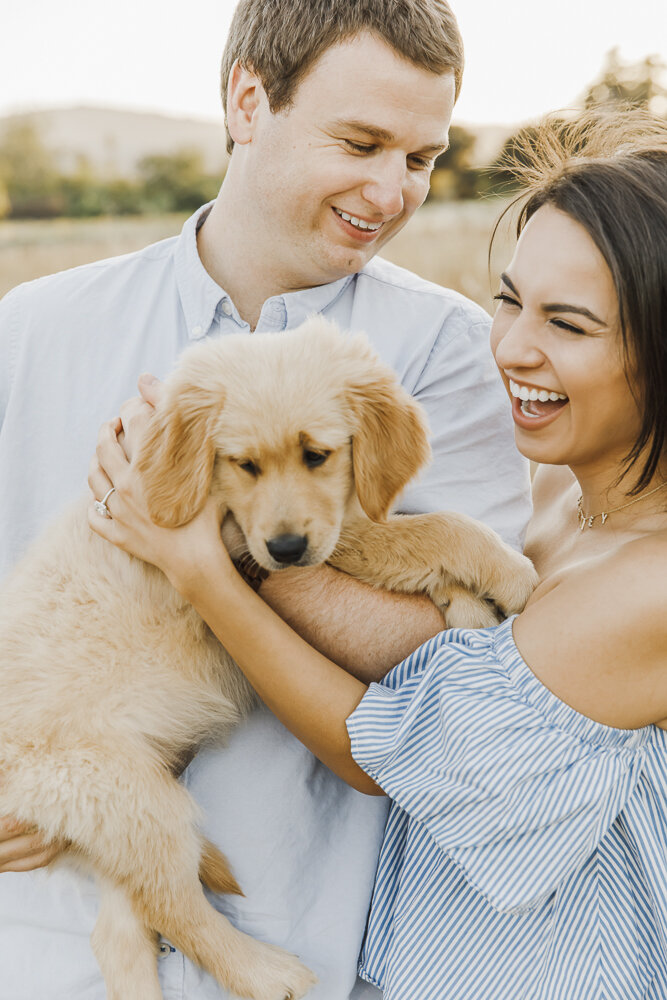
454	176
28	173
176	183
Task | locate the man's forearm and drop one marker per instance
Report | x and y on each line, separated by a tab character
367	631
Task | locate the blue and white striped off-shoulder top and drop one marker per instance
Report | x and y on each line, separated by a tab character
525	855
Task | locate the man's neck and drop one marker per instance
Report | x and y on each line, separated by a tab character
225	249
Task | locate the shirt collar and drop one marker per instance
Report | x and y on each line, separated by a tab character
300	305
199	293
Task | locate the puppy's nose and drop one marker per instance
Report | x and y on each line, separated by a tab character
287	548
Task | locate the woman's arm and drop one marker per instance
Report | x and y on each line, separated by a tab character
309	693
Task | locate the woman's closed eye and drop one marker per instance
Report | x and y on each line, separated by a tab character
564	325
507	299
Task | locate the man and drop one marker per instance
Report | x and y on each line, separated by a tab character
336	111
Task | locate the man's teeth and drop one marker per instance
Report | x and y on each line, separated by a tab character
359	223
524	393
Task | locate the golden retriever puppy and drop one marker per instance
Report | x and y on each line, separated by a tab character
109	678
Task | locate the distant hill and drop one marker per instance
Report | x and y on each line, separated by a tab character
112	141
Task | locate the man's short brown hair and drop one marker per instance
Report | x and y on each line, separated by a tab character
280	40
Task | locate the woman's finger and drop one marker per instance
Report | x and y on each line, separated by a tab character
150	388
111	455
25	850
98	481
30	862
11	828
135	416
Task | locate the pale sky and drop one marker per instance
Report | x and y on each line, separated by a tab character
523	57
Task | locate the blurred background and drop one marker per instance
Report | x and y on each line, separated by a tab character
111	130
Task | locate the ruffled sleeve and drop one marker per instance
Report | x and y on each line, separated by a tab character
515	786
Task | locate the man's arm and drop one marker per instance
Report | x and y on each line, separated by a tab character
366	631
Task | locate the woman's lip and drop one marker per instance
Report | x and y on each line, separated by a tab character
533	423
361	235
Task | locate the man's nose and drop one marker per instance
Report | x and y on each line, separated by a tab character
384	188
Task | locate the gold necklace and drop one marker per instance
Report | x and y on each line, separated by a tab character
586	520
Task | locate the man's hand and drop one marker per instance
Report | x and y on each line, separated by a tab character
23	849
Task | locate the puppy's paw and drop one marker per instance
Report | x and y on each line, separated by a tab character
277	975
462	609
514	585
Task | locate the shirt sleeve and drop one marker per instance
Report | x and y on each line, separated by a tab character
476	467
8	347
515	787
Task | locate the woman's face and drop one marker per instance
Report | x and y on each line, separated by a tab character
557	342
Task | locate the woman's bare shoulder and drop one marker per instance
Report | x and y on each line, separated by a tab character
597	637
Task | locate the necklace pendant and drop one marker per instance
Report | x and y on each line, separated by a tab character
591	519
604	517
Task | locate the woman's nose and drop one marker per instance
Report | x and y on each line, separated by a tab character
514	342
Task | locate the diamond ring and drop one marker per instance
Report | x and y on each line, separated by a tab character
101	505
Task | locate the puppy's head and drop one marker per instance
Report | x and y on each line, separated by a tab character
285	429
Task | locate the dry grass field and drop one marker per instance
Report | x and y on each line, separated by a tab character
447	243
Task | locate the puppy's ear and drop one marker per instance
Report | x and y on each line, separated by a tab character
390	443
176	457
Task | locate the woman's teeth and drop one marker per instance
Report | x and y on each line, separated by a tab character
524	393
359	223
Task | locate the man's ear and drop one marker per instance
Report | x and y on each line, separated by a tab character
244	97
176	456
390	443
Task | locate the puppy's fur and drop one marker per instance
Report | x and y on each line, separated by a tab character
108	677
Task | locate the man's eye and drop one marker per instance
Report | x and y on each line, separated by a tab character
249	467
315	458
420	162
359	147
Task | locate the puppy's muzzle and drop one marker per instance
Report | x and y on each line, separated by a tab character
287	549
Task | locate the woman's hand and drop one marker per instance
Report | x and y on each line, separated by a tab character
183	554
22	848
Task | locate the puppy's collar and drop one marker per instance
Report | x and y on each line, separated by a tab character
251	571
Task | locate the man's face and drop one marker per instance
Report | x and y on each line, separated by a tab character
338	173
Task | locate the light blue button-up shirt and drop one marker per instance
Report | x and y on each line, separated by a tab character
302	844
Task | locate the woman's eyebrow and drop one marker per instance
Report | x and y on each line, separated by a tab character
579	310
551	307
506	280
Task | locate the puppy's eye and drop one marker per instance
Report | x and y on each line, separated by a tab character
315	458
249	467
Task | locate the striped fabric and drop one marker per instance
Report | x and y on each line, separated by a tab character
525	855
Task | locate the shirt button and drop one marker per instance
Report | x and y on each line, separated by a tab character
166	949
227	308
197	331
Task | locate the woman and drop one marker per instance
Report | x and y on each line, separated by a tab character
526	850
